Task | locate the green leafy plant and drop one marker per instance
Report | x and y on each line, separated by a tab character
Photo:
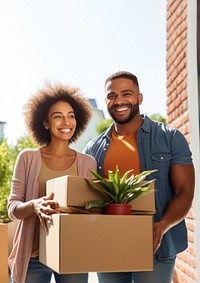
6	167
120	190
8	155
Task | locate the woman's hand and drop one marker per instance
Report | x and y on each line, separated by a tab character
44	207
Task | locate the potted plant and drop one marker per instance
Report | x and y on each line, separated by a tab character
119	192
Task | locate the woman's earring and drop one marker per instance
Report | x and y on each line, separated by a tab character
46	127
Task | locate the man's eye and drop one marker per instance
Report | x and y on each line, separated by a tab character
127	94
111	96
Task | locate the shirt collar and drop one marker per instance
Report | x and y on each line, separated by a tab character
146	126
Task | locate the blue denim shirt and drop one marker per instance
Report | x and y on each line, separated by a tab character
159	147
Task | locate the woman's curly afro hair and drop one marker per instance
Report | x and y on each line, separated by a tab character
38	106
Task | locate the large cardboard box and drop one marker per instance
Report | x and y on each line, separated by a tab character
7	231
76	191
79	243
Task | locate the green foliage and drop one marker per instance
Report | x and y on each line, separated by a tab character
120	190
22	143
6	167
8	155
103	125
158	117
4	192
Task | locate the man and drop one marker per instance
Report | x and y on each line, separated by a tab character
136	142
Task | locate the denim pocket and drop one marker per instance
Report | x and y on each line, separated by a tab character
161	161
161	157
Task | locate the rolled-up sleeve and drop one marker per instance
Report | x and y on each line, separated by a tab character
181	153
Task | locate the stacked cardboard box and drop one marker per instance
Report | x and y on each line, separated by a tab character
78	243
74	191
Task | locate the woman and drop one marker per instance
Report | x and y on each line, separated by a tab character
55	117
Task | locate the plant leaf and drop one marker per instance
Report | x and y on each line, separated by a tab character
110	176
124	177
116	178
97	203
99	177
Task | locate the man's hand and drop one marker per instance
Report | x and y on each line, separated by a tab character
158	232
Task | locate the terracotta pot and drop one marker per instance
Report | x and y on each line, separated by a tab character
118	209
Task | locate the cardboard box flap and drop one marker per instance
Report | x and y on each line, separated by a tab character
146	203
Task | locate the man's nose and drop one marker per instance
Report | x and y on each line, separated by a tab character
118	99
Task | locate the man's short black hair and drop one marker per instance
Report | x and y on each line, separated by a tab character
123	74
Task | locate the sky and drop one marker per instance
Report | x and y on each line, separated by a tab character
80	43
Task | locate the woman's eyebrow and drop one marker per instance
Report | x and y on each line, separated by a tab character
58	112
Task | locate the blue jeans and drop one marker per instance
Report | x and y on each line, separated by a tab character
40	273
162	273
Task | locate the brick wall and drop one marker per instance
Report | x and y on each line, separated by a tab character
178	115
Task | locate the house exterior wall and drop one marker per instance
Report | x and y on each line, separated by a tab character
193	106
1	130
90	132
183	113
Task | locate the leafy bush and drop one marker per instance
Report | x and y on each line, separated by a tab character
104	125
8	155
6	168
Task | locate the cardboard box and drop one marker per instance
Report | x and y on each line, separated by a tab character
72	190
75	191
145	204
78	243
7	231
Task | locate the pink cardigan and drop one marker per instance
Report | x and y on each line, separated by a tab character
24	188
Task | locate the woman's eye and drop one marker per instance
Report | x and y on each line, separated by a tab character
57	117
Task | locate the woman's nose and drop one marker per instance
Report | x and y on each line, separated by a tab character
65	120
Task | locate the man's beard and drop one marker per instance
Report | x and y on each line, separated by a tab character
134	110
